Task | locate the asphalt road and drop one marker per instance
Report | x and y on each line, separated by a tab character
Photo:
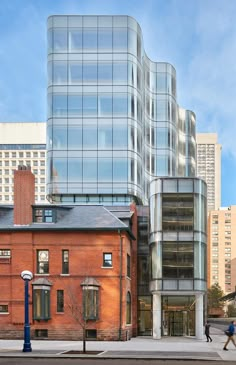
74	361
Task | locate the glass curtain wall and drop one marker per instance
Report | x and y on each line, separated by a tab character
112	113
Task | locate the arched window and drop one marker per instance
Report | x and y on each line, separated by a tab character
128	308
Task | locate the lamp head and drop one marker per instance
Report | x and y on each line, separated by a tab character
26	275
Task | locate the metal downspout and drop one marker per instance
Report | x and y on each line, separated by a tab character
120	278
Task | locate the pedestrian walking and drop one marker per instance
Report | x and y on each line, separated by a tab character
230	334
207	331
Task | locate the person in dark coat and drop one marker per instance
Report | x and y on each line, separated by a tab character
207	331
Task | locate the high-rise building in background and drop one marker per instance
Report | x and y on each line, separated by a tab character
22	144
114	125
113	118
221	248
209	167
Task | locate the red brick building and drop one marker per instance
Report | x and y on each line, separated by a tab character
83	259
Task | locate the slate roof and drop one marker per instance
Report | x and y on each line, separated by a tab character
77	217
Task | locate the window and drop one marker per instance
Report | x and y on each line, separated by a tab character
128	308
128	266
65	262
41	303
5	256
91	333
60	301
90	298
43	215
3	308
5	253
42	261
90	303
107	260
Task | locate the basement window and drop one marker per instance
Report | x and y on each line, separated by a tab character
41	333
91	334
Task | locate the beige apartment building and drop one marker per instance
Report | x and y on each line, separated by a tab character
222	248
22	144
209	167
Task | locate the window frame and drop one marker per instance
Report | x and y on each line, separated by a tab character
107	262
128	308
60	301
2	311
42	303
90	298
43	215
44	267
65	264
128	266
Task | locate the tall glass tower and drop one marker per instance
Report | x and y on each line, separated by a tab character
113	119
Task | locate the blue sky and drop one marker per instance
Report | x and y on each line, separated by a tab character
198	37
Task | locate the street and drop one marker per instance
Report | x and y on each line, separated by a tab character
76	361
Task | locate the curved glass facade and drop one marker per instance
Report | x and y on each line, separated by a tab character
178	234
113	119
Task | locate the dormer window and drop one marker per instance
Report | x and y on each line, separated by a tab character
43	215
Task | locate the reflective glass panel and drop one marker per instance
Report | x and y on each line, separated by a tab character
89	104
75	72
89	72
162	138
74	169
120	104
59	105
59	137
90	39
90	137
50	43
60	40
120	136
74	104
105	105
75	39
120	39
105	39
90	169
120	72
162	165
104	136
120	170
59	169
104	169
104	73
74	137
161	82
132	38
161	110
59	72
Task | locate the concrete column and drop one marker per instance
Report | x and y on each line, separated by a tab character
156	316
199	316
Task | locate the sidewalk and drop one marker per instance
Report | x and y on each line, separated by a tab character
139	347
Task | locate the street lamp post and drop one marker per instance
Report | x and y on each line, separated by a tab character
27	276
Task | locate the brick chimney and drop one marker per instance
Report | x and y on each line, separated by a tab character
24	195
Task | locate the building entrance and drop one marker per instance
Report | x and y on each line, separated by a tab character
175	323
178	316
